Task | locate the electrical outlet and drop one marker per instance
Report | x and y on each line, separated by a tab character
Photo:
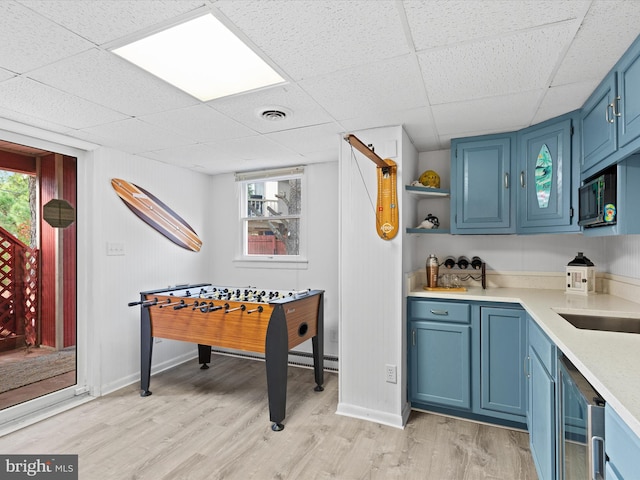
391	372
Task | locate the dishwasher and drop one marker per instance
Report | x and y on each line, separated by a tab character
580	426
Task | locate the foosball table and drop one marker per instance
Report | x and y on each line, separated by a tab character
240	318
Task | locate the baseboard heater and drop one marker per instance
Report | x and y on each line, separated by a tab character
297	359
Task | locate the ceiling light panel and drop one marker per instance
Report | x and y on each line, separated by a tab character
203	58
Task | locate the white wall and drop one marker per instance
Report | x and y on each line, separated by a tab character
623	254
150	261
371	298
321	271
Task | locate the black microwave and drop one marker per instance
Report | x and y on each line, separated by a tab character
598	200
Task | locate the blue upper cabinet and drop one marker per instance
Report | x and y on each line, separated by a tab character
546	180
482	193
628	103
599	139
610	118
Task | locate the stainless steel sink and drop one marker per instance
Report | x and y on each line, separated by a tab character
607	324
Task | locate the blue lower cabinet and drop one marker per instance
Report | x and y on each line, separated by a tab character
503	349
440	364
622	446
541	408
467	359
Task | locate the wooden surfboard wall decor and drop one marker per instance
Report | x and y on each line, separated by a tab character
387	222
157	215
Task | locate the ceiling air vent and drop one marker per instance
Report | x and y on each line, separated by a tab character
274	114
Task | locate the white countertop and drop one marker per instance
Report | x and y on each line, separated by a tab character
610	361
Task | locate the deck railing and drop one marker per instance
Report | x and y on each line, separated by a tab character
18	292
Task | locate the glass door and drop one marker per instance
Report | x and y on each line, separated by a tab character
37	274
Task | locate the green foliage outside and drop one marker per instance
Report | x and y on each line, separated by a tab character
15	211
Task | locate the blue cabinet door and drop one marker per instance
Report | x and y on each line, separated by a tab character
541	418
629	96
440	364
545	180
482	197
622	446
599	138
503	350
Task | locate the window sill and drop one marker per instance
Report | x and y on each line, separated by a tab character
272	262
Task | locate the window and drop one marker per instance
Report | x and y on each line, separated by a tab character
271	213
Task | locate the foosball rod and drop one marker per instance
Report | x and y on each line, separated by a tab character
144	303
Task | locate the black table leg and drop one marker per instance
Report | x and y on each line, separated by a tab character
204	356
146	350
317	343
276	359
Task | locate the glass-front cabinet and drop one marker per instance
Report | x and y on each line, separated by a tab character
545	177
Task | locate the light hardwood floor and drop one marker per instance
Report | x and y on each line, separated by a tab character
214	424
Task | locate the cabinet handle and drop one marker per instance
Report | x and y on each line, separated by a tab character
440	312
606	114
413	338
616	106
506	180
522	179
598	460
525	365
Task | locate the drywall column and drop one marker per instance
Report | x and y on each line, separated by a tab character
371	329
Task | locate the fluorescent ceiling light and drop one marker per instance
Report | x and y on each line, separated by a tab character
201	57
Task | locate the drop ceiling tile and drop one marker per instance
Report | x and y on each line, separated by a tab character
325	156
446	22
200	123
317	138
102	21
385	86
34	99
135	136
309	38
30	41
32	121
563	99
301	109
509	64
257	147
417	123
106	79
195	156
487	115
606	33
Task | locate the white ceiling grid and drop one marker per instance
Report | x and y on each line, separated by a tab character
440	68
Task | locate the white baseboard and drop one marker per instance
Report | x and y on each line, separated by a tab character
135	377
384	418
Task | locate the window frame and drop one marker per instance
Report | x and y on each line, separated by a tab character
243	259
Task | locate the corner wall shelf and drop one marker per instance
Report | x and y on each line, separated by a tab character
428	231
426	191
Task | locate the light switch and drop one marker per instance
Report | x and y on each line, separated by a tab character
114	248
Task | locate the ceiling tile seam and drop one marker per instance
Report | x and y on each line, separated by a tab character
489	97
554	71
81	98
155	28
54	22
404	21
496	36
238	32
164	128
